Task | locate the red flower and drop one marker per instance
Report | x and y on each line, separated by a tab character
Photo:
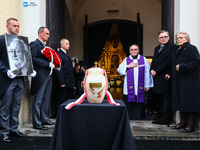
52	56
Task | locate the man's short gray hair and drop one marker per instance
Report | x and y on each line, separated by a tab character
163	31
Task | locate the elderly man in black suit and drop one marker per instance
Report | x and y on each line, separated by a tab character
65	77
160	66
41	85
11	89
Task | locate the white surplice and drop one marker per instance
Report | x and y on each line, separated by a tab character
148	79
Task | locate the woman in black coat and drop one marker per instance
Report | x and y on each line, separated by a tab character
185	81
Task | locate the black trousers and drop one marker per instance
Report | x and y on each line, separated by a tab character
136	111
62	95
162	104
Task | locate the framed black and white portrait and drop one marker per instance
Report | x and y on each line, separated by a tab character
19	55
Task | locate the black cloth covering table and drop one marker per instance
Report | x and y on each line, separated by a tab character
92	127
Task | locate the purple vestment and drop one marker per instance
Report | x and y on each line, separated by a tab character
130	81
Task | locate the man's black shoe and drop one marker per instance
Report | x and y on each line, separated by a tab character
6	138
18	134
40	127
48	123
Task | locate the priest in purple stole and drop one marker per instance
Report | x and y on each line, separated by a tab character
137	79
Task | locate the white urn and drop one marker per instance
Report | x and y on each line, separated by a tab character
95	84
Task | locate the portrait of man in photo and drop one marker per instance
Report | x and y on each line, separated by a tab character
19	55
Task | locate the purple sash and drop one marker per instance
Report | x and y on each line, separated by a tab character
130	81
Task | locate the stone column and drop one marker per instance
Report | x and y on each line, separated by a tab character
186	18
25	115
56	22
32	16
168	17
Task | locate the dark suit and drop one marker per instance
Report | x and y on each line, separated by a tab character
161	63
11	92
41	84
64	77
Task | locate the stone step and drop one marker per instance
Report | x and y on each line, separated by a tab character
144	129
141	129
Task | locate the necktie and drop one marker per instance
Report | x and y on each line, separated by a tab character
161	47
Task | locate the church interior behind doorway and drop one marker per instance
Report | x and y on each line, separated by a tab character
108	43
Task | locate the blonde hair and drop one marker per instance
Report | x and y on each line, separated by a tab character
9	19
186	35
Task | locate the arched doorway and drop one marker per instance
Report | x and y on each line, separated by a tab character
96	35
117	32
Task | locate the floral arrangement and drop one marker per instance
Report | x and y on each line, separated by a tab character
52	56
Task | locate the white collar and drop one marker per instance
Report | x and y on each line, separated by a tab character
63	50
44	43
138	57
162	45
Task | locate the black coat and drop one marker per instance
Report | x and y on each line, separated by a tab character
185	82
161	63
65	75
4	66
40	65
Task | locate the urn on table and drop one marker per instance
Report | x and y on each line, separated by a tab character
95	84
95	88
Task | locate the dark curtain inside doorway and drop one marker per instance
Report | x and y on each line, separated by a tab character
128	35
97	37
98	34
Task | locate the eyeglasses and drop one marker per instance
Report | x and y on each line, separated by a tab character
163	37
179	38
134	49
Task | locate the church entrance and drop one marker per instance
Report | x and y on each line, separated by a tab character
99	33
108	42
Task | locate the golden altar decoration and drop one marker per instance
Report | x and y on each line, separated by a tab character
111	57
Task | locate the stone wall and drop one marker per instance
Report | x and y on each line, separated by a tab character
8	8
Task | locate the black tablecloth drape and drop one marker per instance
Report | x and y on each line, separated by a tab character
92	127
